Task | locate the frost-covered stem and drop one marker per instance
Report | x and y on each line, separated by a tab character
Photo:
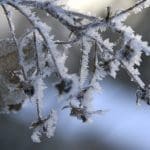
44	34
38	110
12	31
136	78
129	9
11	26
133	77
103	46
55	11
95	60
37	55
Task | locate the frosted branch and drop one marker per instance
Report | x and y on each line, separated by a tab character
25	62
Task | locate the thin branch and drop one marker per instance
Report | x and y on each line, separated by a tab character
129	9
12	31
37	55
135	78
38	110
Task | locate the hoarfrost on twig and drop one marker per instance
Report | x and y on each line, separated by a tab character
37	55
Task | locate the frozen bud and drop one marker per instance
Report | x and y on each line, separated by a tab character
127	53
80	113
64	86
45	126
28	88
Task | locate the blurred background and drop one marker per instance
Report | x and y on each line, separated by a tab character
124	127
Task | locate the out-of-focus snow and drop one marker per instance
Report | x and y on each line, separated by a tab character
91	6
96	6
